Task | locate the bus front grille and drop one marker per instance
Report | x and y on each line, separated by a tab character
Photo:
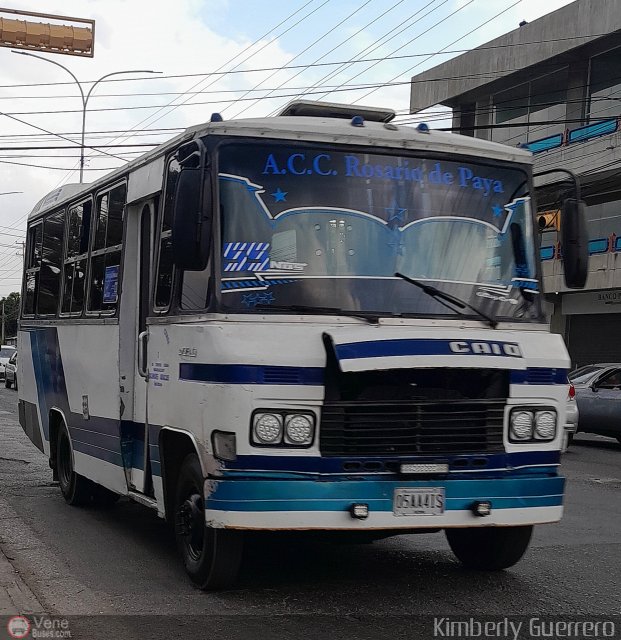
409	428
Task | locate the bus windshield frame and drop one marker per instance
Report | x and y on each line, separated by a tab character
311	225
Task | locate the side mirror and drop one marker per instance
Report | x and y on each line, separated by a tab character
574	243
191	227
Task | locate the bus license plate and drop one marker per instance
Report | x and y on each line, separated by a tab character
427	501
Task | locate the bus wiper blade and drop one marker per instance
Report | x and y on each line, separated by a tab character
447	297
335	311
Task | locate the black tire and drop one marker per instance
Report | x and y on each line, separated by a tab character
77	490
7	384
570	439
489	548
211	557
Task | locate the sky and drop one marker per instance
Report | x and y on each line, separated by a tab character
223	56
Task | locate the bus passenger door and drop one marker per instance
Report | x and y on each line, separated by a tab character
136	432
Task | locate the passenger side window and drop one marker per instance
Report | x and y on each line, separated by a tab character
78	231
106	251
33	267
165	267
610	381
51	264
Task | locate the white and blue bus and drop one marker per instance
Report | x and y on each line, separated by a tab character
315	321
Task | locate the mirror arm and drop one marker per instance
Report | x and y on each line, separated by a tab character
571	174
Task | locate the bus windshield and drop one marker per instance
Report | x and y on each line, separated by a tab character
314	227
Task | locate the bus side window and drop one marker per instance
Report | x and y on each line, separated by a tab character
165	267
51	264
78	228
33	267
106	250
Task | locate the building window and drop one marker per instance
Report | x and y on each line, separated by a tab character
543	100
605	86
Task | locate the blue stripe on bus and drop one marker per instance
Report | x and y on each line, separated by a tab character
410	347
251	374
309	495
539	375
284	375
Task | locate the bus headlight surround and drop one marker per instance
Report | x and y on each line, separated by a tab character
284	429
545	425
267	428
299	429
532	424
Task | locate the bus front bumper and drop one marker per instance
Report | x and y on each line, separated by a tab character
273	504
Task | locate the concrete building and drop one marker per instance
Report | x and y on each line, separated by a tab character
554	85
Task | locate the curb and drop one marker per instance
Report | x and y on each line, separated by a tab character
15	595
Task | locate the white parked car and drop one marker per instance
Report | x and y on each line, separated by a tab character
6	351
10	372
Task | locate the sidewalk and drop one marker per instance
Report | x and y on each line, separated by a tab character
15	596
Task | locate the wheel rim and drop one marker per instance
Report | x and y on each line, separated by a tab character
191	524
65	468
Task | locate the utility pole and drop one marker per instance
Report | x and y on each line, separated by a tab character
2	323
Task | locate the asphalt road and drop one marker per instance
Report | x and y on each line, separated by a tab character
122	561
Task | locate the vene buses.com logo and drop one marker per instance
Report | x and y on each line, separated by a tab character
18	627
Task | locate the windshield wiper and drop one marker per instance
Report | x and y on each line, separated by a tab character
372	318
447	297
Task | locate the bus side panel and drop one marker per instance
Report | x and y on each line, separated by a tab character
33	423
74	369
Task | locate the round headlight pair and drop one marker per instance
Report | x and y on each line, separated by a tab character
275	428
532	425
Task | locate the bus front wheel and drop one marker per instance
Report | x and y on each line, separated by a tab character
489	548
212	557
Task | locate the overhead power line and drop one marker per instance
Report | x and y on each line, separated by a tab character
308	66
494	17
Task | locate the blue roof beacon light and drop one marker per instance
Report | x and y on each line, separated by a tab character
357	121
216	117
422	127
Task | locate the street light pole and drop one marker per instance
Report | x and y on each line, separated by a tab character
86	97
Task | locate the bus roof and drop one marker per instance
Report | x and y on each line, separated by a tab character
316	128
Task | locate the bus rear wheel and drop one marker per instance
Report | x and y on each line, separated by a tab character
489	548
77	490
211	557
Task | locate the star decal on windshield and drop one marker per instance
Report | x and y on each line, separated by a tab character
279	195
498	210
396	214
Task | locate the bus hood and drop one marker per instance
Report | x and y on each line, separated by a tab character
382	347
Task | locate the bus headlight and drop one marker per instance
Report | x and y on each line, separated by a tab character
299	429
277	428
521	427
545	425
267	428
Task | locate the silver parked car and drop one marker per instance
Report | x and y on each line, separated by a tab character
598	396
10	372
6	351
